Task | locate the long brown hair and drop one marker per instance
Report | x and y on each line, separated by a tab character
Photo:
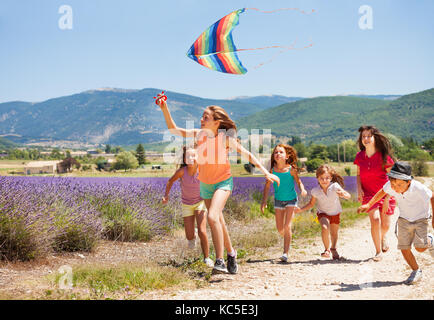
382	144
290	151
226	123
336	177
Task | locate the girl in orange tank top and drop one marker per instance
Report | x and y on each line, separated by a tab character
215	137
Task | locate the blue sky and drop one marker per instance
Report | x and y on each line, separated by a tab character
137	44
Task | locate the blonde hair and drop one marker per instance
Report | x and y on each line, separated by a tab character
336	177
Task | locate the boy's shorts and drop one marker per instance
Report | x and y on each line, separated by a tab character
278	204
189	209
409	233
332	219
207	190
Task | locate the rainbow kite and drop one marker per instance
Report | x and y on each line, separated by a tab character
215	48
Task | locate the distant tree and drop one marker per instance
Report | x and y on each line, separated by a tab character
313	164
140	154
118	149
56	154
318	151
419	168
108	148
125	160
67	164
301	150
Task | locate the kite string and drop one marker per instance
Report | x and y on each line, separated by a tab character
292	47
281	9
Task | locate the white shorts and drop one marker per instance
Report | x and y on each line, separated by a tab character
189	209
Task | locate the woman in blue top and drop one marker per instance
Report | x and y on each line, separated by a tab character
284	165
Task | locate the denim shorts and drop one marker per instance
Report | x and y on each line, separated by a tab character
207	190
283	204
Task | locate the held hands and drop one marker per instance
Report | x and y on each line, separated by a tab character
165	199
263	206
297	210
272	178
303	193
363	208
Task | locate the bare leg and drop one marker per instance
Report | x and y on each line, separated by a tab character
201	230
325	232
215	211
287	235
334	228
374	217
189	227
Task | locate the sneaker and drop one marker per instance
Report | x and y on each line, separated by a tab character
208	262
191	244
414	277
431	247
284	258
232	263
219	267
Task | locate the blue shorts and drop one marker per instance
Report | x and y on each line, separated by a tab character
207	190
283	204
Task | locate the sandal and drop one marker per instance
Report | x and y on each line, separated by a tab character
335	254
326	254
384	245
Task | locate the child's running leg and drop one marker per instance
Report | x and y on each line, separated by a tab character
385	225
215	209
287	236
374	217
334	228
189	227
201	232
325	234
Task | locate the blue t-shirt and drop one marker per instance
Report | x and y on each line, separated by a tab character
286	190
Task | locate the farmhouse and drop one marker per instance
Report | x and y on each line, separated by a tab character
35	167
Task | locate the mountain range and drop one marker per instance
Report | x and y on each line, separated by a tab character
127	117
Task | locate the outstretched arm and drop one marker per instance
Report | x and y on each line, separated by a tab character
306	207
177	175
294	173
378	196
234	144
189	133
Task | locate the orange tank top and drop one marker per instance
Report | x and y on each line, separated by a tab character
213	159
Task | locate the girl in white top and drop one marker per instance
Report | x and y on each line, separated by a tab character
326	196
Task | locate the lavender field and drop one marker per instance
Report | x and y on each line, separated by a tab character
39	215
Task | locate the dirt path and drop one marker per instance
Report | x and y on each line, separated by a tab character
306	276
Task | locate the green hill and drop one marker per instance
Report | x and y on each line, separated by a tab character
331	119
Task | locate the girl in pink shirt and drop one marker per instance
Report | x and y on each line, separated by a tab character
193	206
373	162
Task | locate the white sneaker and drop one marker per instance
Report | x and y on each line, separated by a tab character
414	277
431	247
284	258
208	262
191	244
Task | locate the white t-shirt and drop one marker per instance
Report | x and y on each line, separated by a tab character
328	203
414	204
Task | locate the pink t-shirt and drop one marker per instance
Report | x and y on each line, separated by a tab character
372	175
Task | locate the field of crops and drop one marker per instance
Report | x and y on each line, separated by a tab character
39	215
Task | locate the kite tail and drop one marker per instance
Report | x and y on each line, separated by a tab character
281	9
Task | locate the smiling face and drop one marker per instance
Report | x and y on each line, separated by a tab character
367	138
190	157
207	121
399	186
280	155
325	179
